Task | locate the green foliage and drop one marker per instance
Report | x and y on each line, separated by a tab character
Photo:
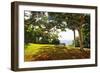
42	27
55	41
86	32
42	30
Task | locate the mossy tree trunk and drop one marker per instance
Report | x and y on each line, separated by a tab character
74	37
80	38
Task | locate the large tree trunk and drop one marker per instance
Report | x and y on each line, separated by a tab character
80	38
74	37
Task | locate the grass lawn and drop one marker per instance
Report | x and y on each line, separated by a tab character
38	52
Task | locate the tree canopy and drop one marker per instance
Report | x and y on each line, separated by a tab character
43	27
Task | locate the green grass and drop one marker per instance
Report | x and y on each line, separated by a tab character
34	48
35	52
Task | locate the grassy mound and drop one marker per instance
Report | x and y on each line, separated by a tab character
39	52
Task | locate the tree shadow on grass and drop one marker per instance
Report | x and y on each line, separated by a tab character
59	53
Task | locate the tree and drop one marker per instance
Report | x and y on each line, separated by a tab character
43	24
77	42
39	26
71	24
76	21
86	32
